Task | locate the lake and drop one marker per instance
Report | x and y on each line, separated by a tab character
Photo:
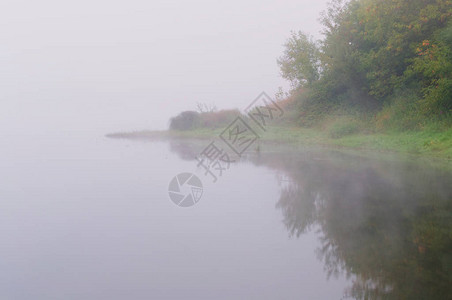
87	217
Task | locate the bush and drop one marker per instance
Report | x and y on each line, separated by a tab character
191	120
187	120
218	119
401	113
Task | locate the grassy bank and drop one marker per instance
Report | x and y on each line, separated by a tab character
438	144
425	143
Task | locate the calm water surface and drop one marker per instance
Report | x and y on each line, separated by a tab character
86	217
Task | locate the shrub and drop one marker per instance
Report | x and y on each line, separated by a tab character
401	113
187	120
190	120
218	119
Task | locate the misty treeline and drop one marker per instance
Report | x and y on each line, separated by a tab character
210	118
386	62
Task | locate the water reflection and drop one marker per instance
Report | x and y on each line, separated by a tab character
385	223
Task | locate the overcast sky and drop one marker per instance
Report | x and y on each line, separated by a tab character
108	65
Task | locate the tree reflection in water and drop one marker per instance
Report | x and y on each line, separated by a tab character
388	224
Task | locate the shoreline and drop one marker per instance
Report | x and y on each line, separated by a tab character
418	144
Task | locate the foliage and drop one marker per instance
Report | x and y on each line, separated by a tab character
371	51
219	119
300	63
401	112
433	66
191	120
186	120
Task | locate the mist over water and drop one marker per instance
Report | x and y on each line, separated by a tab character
91	218
100	225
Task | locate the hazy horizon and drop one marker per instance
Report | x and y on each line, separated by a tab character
130	66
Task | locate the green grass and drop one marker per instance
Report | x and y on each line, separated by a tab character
429	143
426	143
437	144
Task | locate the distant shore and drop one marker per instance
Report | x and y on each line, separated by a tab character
162	134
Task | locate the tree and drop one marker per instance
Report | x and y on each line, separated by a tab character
300	63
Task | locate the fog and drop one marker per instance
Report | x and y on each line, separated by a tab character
105	66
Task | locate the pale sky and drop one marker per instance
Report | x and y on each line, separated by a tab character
107	66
